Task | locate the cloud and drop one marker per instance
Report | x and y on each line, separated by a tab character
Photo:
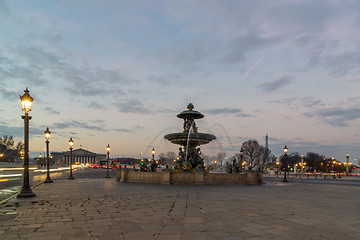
9	95
237	112
132	106
18	132
303	102
4	9
217	111
11	131
336	116
160	80
37	65
51	110
95	105
122	130
87	80
244	115
268	87
77	124
165	80
240	46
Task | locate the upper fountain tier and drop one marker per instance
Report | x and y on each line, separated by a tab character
193	138
190	113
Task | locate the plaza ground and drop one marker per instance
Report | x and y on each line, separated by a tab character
94	207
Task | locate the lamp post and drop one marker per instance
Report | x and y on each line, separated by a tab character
347	164
339	169
285	164
277	169
153	165
241	158
47	137
71	143
107	162
302	165
26	102
334	164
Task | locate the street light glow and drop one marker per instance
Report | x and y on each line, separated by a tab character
71	142
26	101
47	133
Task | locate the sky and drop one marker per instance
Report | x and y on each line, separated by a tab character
118	73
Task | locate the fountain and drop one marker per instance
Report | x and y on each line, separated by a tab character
190	166
190	139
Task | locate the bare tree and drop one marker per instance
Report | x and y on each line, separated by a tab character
8	141
167	158
251	151
19	146
9	150
264	154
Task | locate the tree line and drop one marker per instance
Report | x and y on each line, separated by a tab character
258	157
10	150
313	162
255	155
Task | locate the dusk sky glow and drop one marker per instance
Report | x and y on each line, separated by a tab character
118	73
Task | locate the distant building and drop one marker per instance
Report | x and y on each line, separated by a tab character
79	156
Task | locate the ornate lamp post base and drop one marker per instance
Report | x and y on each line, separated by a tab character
71	178
48	180
26	193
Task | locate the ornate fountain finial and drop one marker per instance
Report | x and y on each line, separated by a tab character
190	106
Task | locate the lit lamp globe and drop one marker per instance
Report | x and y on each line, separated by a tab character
285	149
71	142
153	151
47	134
108	148
26	101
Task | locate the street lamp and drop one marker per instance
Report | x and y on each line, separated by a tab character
347	164
71	144
153	165
241	158
285	163
302	165
107	162
26	102
334	164
277	169
47	137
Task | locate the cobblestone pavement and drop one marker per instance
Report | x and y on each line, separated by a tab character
93	207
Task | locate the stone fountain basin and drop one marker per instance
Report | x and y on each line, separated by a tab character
195	139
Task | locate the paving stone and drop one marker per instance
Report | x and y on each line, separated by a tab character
105	209
169	237
194	235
